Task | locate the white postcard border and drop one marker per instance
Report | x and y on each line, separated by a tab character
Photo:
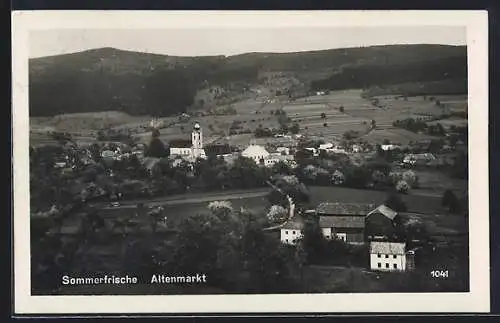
477	300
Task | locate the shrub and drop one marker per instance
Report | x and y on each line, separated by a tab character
276	214
338	177
402	187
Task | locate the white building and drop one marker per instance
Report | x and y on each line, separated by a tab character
255	152
389	147
387	256
195	149
356	148
283	150
292	231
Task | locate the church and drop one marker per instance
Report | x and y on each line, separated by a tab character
193	150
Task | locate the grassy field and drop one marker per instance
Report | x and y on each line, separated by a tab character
255	112
394	135
438	182
307	112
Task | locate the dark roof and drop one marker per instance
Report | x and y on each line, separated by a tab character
218	149
344	208
385	211
294	223
180	143
347	221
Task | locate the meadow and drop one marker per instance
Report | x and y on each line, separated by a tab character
252	113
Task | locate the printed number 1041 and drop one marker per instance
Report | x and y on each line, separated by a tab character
439	274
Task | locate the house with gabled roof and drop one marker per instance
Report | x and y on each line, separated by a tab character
381	224
344	221
337	208
388	256
292	230
348	228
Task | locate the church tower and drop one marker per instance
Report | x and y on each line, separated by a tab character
197	140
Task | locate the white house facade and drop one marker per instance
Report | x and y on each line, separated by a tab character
388	256
291	233
179	151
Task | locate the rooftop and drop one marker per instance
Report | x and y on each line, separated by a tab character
384	210
296	223
347	221
255	150
344	208
391	248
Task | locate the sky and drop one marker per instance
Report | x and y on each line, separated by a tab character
225	41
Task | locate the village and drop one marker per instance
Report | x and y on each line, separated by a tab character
331	171
382	237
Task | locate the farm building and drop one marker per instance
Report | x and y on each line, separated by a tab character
348	228
345	221
333	209
388	256
381	224
292	230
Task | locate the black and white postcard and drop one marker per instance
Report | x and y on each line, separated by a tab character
258	162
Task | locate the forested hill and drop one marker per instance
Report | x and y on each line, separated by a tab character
142	83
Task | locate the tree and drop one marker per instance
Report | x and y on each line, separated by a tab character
155	215
450	201
338	177
410	177
325	124
395	202
221	209
341	109
403	187
378	177
277	214
295	128
156	148
313	242
323	115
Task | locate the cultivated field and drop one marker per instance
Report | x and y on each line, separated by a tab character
257	112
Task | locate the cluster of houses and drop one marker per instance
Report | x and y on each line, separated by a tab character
355	223
190	151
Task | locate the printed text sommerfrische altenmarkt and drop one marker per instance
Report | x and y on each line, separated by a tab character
121	280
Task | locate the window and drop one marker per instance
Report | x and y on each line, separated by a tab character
394	256
293	232
395	266
386	256
378	255
286	240
286	232
386	265
379	265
